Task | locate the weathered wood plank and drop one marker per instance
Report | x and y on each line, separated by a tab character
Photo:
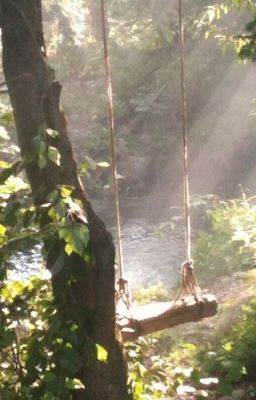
155	317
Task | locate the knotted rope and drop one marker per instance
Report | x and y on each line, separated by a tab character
188	280
122	285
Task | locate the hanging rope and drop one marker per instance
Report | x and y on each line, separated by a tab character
184	135
188	279
123	291
189	282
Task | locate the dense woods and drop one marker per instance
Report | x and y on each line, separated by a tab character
58	333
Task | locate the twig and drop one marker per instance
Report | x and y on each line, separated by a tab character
18	357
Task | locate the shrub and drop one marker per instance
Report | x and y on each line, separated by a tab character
230	244
234	357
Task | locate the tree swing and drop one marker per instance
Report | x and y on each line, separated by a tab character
189	305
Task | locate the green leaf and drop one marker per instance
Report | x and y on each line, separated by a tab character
83	167
17	288
3	133
196	376
13	170
69	249
65	234
224	386
14	184
66	190
75	235
41	147
49	377
77	245
30	156
102	354
58	211
2	230
42	161
53	196
138	390
228	346
4	164
74	384
83	232
53	155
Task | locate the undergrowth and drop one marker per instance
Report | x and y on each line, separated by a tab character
230	243
233	358
188	363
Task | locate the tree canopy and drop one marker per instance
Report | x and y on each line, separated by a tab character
58	337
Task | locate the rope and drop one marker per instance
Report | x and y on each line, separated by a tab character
189	282
188	279
122	293
111	128
184	136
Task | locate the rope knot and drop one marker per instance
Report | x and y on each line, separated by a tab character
188	279
122	293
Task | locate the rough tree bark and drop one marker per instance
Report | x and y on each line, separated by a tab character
35	97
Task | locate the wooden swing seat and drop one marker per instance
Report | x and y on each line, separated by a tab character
155	317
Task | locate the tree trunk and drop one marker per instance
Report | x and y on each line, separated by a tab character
35	97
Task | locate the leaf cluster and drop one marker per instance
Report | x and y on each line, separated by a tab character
215	22
230	243
41	353
38	356
158	372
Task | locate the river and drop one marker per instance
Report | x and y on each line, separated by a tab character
151	255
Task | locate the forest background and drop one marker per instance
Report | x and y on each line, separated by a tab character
143	44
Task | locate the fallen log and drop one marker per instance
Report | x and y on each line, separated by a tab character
154	317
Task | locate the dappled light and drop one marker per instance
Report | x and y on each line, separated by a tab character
128	200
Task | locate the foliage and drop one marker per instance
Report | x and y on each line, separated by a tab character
153	293
167	365
144	57
230	245
40	352
155	371
248	49
15	203
233	358
160	364
214	22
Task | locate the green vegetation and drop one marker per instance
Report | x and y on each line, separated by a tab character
40	353
230	244
214	22
38	359
153	293
39	356
144	56
200	359
232	358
